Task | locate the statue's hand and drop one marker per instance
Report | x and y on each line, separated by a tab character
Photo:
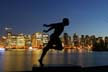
45	31
45	25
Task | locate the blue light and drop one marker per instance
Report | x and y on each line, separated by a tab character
2	50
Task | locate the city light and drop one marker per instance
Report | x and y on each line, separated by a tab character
30	48
2	50
39	40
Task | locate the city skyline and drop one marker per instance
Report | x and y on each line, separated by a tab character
87	17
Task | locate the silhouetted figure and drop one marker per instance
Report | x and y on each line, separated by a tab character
54	42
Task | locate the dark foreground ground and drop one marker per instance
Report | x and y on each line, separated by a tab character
69	69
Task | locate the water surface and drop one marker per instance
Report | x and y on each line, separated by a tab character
24	60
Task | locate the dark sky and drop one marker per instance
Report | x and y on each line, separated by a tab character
27	16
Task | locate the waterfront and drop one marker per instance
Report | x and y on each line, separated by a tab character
24	60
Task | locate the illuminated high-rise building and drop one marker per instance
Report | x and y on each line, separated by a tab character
45	39
76	40
66	40
87	40
3	41
13	41
8	40
20	41
82	41
37	40
28	42
106	43
33	40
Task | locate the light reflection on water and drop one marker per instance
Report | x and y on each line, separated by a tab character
23	60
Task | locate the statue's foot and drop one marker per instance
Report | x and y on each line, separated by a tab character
41	64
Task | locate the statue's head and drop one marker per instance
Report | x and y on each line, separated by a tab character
65	21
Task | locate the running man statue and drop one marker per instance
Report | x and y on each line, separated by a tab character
54	42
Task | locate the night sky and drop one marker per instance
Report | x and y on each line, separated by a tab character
27	16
